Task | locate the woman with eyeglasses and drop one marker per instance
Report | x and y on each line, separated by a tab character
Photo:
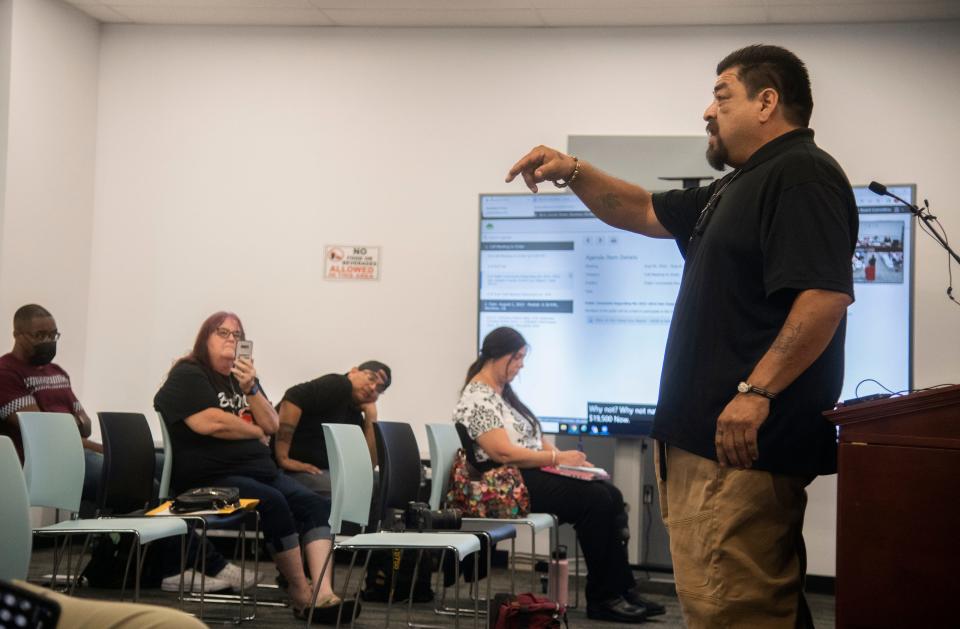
504	431
219	420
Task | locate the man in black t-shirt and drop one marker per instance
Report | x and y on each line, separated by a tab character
349	398
755	350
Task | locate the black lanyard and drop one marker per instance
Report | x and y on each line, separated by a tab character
707	212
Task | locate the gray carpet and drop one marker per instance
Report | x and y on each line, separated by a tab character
373	614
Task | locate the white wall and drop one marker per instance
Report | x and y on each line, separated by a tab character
6	26
49	54
227	158
53	56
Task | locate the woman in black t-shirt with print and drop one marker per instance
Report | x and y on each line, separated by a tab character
219	420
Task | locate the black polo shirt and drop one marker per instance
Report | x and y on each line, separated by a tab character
785	223
327	399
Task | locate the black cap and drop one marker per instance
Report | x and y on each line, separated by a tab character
376	365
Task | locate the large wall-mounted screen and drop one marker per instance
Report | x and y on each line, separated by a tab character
595	302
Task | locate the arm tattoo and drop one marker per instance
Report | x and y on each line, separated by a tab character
787	338
611	202
285	432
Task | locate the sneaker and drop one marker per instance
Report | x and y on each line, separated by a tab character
231	575
210	584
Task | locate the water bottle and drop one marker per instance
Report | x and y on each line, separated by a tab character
558	576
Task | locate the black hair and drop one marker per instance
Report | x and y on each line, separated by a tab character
762	66
26	314
498	343
375	366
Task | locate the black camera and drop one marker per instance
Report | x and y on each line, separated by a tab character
419	517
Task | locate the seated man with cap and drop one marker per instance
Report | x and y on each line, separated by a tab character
335	398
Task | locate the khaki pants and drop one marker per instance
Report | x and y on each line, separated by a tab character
85	613
736	541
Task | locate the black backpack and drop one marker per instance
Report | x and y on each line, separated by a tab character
380	572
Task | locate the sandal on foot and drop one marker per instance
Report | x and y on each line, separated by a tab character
326	614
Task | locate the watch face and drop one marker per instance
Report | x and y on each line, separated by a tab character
743	387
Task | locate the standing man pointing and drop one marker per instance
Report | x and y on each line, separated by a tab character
755	350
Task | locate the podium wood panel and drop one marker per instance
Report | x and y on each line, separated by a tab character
898	512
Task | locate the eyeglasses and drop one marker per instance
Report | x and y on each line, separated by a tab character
40	337
226	333
377	379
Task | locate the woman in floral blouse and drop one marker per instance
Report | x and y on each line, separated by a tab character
505	431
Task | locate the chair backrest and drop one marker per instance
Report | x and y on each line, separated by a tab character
128	463
399	457
351	475
53	459
14	516
167	460
467	443
444	444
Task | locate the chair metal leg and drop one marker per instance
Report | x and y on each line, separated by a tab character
413	585
397	560
183	563
57	558
136	577
318	580
441	599
533	558
126	573
513	566
456	587
346	585
83	551
356	600
476	582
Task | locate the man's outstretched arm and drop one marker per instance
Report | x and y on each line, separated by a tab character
612	200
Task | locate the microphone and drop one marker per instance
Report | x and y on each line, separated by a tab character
878	188
928	219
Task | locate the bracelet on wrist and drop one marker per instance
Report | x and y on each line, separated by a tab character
254	389
554	457
563	183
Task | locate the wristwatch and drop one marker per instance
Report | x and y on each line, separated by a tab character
746	387
254	389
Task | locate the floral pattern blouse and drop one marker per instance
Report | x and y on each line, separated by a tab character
481	409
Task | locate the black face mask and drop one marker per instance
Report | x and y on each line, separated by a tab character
43	353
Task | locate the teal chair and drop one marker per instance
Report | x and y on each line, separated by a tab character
351	479
444	443
54	469
15	515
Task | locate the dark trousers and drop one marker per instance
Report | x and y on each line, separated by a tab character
289	512
595	508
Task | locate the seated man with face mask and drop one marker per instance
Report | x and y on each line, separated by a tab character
30	381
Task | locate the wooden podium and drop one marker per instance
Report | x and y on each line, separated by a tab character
898	512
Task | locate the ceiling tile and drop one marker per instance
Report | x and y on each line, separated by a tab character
103	14
211	4
472	5
435	18
660	16
239	16
827	12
